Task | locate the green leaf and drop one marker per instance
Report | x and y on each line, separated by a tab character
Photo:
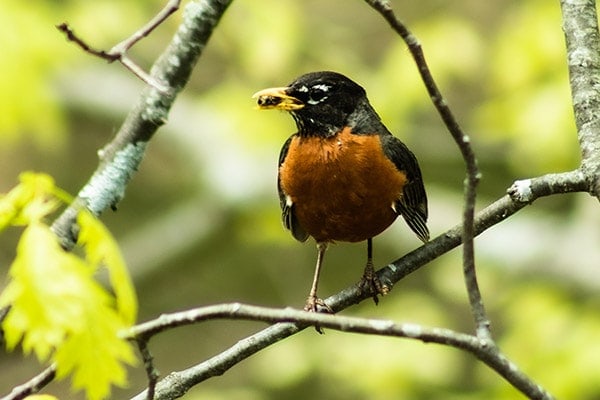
101	249
69	317
43	310
58	310
30	201
95	354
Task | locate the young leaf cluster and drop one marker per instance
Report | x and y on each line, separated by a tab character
58	310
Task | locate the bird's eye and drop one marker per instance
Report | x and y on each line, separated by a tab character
317	94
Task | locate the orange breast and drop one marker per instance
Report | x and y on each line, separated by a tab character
342	187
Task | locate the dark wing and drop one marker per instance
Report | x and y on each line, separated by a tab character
287	208
412	205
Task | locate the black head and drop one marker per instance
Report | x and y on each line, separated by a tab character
322	103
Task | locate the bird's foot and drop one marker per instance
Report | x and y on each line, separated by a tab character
370	283
315	304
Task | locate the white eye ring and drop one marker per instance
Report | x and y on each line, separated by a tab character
318	91
322	87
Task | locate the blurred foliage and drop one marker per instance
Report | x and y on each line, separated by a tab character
528	87
33	52
200	222
24	70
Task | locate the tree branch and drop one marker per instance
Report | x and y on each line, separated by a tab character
119	52
520	195
168	9
122	156
33	385
151	371
580	25
299	320
463	142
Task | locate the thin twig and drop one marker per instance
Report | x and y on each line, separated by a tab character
151	371
119	51
111	57
32	386
72	37
463	141
143	75
168	9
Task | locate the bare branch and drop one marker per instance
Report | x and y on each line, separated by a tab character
151	371
580	25
143	75
473	176
168	9
32	386
178	383
122	156
71	36
119	51
110	57
298	320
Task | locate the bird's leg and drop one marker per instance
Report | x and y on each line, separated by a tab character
370	281
313	302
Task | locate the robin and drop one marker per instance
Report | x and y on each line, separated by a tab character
343	176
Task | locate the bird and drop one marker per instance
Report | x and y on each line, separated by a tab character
343	176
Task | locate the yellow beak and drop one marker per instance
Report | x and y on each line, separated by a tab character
276	98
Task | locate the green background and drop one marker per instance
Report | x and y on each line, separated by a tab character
200	223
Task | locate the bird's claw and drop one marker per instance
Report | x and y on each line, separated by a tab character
315	304
370	283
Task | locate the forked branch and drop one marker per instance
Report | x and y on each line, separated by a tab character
119	52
